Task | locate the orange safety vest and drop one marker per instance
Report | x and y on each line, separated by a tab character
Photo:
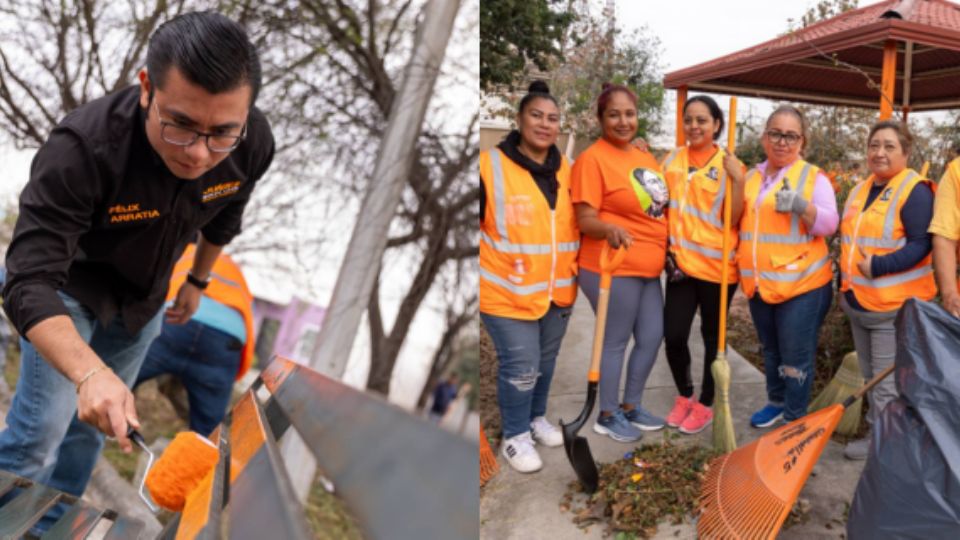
528	252
228	287
777	256
879	231
696	217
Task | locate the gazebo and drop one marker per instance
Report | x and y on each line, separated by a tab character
910	49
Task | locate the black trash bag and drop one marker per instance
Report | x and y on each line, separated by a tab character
910	487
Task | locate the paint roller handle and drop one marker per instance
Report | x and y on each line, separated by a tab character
866	388
137	438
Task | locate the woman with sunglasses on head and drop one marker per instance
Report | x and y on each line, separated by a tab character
696	175
528	247
620	199
788	209
885	258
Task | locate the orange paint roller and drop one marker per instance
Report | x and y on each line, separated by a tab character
187	459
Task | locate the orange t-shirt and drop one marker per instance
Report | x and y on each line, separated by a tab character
602	177
700	158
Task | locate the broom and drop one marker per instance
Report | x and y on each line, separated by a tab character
488	461
724	438
844	383
749	492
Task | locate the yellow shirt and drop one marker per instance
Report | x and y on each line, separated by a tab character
946	207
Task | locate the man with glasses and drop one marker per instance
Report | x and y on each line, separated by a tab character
119	189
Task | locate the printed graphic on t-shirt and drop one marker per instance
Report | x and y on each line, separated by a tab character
651	191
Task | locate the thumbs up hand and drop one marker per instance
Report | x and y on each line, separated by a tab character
865	263
789	200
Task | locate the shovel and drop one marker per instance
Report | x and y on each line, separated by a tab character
578	449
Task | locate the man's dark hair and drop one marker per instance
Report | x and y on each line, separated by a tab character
209	49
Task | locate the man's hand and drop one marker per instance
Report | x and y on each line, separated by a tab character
864	263
185	304
105	402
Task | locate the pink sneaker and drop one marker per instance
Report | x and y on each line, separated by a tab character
681	408
700	417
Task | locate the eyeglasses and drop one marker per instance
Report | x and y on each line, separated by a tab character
184	136
776	137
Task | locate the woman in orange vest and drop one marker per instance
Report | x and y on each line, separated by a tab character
620	198
696	175
885	257
788	207
528	247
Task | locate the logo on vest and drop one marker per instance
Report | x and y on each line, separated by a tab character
713	174
123	213
885	196
220	190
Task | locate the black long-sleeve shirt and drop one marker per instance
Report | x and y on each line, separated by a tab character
103	220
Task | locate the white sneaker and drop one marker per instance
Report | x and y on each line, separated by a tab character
520	453
546	433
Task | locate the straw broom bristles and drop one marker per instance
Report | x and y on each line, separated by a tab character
488	461
724	438
844	383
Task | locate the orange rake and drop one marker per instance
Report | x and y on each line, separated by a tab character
488	461
749	492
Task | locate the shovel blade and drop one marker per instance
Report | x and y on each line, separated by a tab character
583	464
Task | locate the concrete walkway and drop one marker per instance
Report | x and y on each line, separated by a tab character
521	506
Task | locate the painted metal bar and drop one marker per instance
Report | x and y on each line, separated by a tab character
262	501
75	523
26	509
401	476
124	529
888	82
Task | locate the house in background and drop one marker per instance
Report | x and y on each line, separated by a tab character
289	329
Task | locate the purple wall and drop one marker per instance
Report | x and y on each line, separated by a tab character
296	326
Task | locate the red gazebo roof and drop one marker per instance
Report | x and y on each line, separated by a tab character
809	64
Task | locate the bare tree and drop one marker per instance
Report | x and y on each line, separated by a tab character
338	109
56	56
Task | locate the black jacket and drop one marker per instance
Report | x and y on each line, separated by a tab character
103	220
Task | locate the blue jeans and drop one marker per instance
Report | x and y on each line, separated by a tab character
206	361
44	441
788	335
527	355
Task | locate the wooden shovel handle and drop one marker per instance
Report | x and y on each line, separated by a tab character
607	265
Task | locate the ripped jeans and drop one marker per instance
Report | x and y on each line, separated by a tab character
788	335
526	355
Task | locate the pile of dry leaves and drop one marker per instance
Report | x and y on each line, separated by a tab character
653	483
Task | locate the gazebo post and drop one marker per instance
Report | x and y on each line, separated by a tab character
888	82
681	99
